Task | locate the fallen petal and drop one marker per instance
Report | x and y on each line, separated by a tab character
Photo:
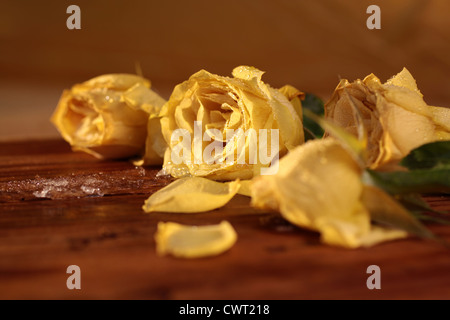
194	241
191	194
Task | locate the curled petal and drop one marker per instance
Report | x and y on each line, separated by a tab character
318	187
191	194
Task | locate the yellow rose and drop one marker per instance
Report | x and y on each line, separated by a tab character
107	116
394	116
225	128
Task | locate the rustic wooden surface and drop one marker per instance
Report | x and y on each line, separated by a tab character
111	239
309	44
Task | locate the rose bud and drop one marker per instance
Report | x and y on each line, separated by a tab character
107	116
393	116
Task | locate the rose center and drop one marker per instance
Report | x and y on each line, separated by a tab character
220	109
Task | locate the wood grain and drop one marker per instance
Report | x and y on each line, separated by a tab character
111	239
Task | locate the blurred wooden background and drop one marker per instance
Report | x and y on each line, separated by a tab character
308	44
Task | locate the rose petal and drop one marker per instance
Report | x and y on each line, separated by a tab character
318	187
194	241
191	194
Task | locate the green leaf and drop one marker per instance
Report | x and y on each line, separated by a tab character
416	204
435	219
309	135
424	181
386	210
430	155
313	104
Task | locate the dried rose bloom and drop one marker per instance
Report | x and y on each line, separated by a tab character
220	105
107	116
393	114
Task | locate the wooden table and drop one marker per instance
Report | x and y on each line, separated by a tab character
94	220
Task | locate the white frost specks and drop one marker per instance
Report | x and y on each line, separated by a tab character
50	186
77	185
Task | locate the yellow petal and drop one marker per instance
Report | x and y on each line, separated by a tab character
191	194
245	188
140	97
404	131
294	96
155	144
114	81
247	73
404	79
318	187
194	241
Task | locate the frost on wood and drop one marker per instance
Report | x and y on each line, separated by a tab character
128	181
